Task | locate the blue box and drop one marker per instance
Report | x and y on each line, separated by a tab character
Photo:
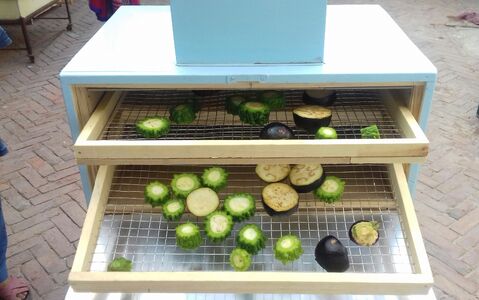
248	31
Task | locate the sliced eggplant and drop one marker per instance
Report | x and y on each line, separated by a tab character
272	173
202	202
279	199
319	97
306	178
276	131
364	233
331	254
312	117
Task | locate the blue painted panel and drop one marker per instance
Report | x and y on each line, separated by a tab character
248	31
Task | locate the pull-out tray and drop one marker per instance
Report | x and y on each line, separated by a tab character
119	223
109	137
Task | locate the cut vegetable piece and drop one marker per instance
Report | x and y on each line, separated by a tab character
251	238
240	259
276	131
215	178
173	209
272	173
254	113
312	117
319	97
233	104
364	233
202	202
153	127
287	249
120	264
370	132
331	254
331	190
306	178
156	193
274	99
188	236
240	206
218	226
183	184
280	199
183	114
326	133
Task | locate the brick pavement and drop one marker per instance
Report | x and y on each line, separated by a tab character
39	180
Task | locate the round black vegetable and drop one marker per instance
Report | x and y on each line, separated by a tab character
276	131
364	233
306	178
319	97
331	254
280	199
312	117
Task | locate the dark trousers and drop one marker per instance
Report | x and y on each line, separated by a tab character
3	247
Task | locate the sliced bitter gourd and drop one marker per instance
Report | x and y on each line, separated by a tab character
254	113
274	99
233	104
153	127
370	132
173	209
215	178
183	114
326	133
188	236
331	190
240	259
218	226
156	193
287	249
120	264
251	238
183	184
240	206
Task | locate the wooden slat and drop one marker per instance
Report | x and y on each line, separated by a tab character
93	218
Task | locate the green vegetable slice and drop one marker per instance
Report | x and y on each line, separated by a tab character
183	184
120	264
254	113
173	209
331	190
183	114
370	132
218	226
156	193
240	206
233	104
153	127
274	99
251	238
188	236
288	248
240	259
215	178
326	133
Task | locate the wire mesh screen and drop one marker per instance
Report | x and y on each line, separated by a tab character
351	111
134	230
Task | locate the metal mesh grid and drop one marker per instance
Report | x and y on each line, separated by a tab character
352	110
136	231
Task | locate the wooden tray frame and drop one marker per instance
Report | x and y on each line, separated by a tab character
82	280
89	150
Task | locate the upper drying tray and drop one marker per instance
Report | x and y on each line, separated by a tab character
363	44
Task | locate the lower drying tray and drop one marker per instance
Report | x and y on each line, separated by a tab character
119	223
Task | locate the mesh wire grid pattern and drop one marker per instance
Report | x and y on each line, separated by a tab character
352	110
136	231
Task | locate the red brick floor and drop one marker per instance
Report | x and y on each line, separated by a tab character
44	205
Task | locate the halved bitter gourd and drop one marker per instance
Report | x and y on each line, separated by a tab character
183	184
331	190
240	259
215	178
153	127
183	114
218	226
251	238
288	249
274	99
173	209
240	206
188	236
156	193
254	113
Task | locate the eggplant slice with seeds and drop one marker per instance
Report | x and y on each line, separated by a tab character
306	178
280	199
319	97
272	173
312	117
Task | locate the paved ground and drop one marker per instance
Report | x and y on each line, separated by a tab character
39	181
